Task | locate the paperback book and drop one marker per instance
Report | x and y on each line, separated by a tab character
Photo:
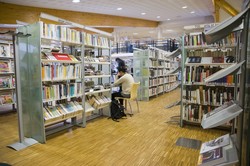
216	143
212	157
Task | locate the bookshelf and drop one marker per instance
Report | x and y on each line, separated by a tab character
50	79
237	150
97	76
7	73
157	70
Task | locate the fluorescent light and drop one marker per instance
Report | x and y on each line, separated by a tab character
119	8
143	13
192	12
184	7
75	1
158	17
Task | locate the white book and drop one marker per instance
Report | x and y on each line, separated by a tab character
216	143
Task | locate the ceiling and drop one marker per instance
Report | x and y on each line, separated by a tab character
168	11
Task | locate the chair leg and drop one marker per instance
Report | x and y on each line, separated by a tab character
137	105
130	108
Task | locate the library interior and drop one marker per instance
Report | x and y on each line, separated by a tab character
124	82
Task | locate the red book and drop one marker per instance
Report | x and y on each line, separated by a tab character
61	56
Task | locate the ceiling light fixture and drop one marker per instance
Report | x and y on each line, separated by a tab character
119	8
184	7
158	17
168	19
75	1
192	12
143	13
135	33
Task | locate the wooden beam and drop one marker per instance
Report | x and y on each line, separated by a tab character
227	7
217	12
9	13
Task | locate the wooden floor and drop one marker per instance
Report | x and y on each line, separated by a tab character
144	139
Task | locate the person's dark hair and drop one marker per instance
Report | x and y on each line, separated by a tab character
120	62
122	69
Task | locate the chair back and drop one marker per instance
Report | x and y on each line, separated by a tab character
134	89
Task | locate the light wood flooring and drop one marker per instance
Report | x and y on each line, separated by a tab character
144	139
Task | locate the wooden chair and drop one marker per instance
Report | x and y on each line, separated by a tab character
133	97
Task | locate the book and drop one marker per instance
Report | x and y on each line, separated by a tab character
6	99
4	67
5	82
61	56
216	143
4	50
212	157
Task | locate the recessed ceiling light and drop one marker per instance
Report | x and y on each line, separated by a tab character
119	8
76	1
158	17
184	7
143	13
168	19
192	12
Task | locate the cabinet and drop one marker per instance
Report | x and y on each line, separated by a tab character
7	73
97	76
156	70
50	79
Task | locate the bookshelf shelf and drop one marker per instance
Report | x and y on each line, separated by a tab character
98	91
51	87
51	40
101	63
200	94
151	68
98	76
7	75
93	46
60	61
63	98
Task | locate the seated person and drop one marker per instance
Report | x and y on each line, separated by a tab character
125	80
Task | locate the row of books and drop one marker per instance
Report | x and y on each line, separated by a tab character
59	57
195	113
57	71
208	96
6	99
196	39
63	33
162	80
6	50
61	91
99	59
7	82
95	40
59	32
199	73
62	110
98	101
212	52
